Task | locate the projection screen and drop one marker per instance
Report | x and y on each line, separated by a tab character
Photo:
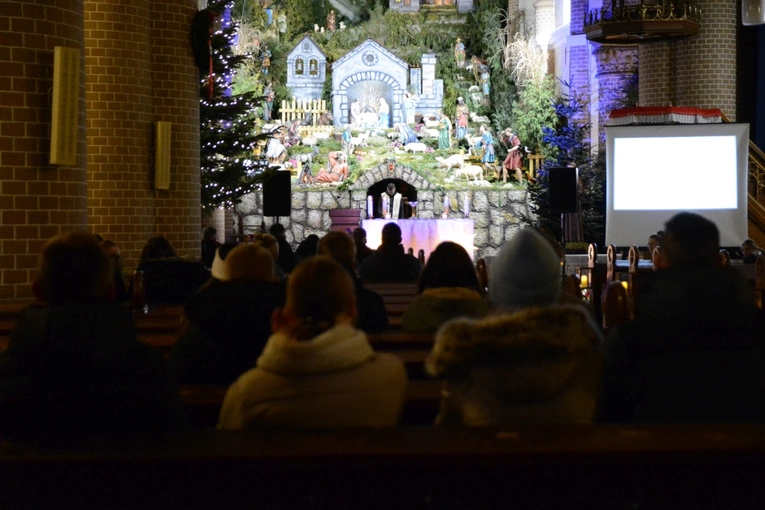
654	172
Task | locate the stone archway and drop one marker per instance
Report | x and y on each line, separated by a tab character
395	96
420	188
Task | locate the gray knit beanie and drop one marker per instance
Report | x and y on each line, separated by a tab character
526	272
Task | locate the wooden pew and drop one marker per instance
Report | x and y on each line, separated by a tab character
700	466
396	296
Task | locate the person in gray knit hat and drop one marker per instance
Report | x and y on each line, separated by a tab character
532	361
526	272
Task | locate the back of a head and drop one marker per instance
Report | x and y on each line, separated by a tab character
319	289
526	272
690	239
268	242
157	248
359	235
209	234
340	247
391	234
449	266
73	268
307	248
276	230
249	262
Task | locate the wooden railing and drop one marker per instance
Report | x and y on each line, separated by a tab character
302	110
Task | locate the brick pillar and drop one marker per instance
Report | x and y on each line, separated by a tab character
706	64
615	66
119	123
37	200
578	9
175	89
657	69
699	71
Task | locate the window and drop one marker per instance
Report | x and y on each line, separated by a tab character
299	66
313	67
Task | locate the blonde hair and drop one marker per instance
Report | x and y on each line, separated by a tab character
249	262
268	242
318	291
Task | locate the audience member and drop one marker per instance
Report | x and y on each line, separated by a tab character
389	262
209	246
115	256
225	326
448	288
372	315
307	248
654	240
362	250
286	259
168	278
271	244
534	361
693	353
317	370
74	364
749	248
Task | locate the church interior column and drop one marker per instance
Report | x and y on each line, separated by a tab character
37	200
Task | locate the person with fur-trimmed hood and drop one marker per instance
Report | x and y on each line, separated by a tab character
534	361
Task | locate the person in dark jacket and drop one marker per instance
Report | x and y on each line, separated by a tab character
372	314
167	277
210	245
694	352
389	263
286	258
448	288
226	325
74	364
362	250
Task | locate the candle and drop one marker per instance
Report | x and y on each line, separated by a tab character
446	206
370	207
467	206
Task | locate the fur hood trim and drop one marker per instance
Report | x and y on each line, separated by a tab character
338	348
524	355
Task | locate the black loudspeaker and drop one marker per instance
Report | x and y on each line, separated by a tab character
277	195
562	188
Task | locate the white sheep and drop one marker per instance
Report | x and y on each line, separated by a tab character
455	160
474	171
415	147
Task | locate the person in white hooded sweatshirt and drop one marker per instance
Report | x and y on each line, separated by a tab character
533	361
317	370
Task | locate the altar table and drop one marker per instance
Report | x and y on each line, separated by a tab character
424	234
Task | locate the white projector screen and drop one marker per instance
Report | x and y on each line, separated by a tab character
654	172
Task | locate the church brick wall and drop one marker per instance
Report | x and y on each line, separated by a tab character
699	71
706	64
37	200
119	122
175	98
141	70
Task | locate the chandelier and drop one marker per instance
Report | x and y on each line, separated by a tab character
645	21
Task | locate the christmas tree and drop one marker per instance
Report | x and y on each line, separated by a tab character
228	123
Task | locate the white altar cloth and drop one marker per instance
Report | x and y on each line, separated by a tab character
424	234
